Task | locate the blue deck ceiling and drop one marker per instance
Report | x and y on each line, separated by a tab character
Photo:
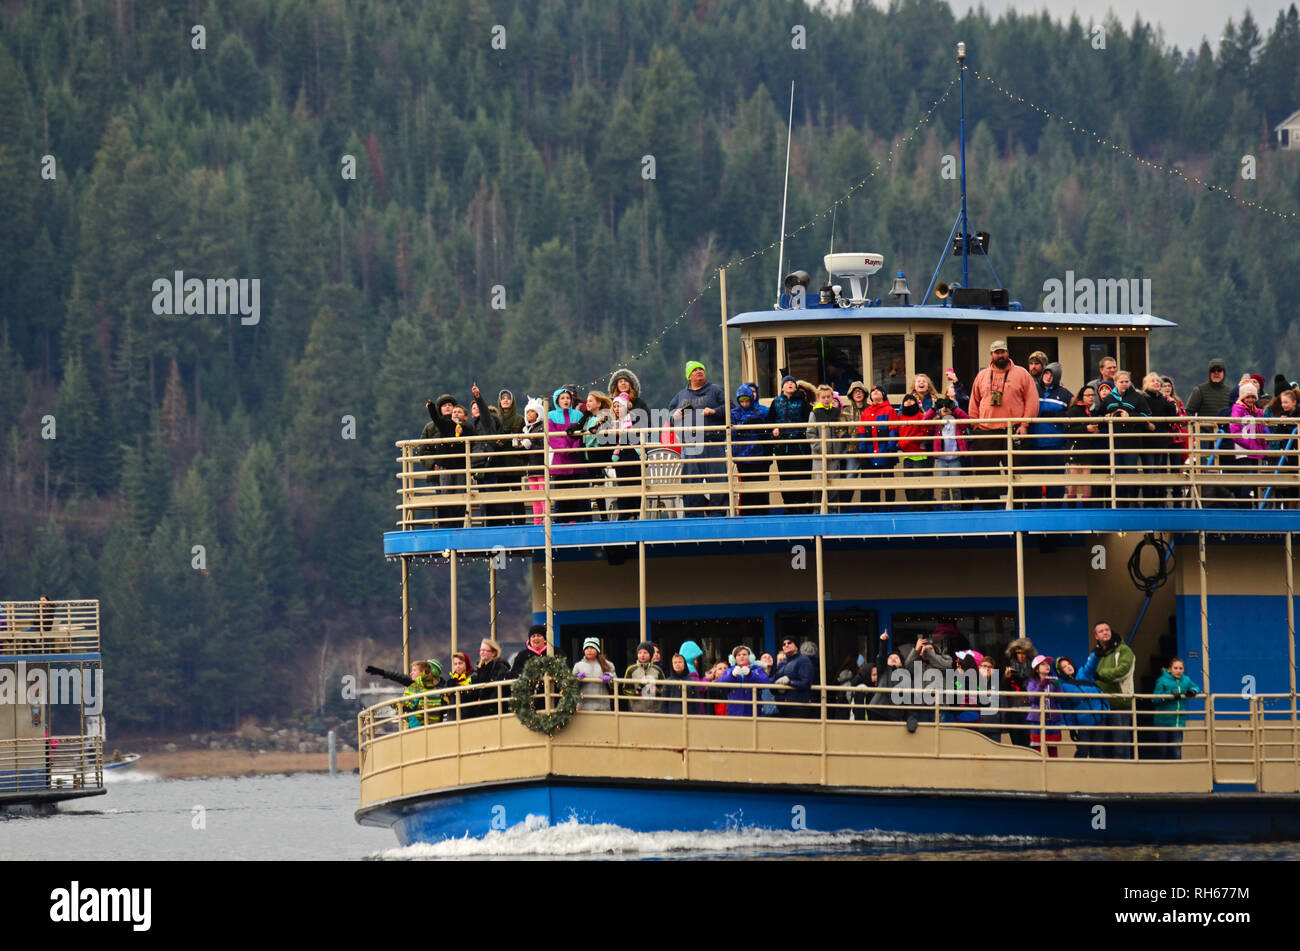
434	541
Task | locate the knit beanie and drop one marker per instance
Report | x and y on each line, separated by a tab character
692	367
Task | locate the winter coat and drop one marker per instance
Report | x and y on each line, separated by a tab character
564	439
672	692
693	403
800	671
522	658
422	708
1131	430
1210	399
1163	413
959	433
647	677
1053	402
876	439
1081	699
1113	671
749	443
490	672
787	414
1245	430
1019	395
1170	711
531	439
638	403
739	698
595	692
1035	714
1085	446
451	454
913	437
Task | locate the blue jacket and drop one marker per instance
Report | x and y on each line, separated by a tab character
784	411
800	671
1053	401
739	705
1081	703
748	443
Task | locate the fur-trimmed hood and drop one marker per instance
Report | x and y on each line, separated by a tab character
623	373
1021	643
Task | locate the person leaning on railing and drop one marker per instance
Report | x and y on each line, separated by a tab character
1043	713
698	405
748	446
1286	440
876	443
1247	436
595	672
491	669
788	414
1001	391
1110	664
1128	414
645	678
1049	437
743	700
564	443
1082	704
1159	442
448	421
528	446
1174	688
422	709
949	445
461	673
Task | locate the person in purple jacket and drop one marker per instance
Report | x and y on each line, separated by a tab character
741	700
1248	446
564	444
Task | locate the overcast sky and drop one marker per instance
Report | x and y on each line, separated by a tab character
1184	22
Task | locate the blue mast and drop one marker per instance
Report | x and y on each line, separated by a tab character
965	224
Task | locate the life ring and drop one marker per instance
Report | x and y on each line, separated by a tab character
523	692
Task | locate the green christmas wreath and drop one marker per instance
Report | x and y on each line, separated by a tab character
522	695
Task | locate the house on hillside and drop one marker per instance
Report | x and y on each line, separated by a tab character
1288	131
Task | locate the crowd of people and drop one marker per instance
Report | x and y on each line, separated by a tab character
1115	422
1031	698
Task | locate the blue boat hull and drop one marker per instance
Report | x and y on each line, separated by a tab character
648	807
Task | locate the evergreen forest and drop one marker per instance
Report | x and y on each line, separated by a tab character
432	192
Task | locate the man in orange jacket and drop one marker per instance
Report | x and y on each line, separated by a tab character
1001	391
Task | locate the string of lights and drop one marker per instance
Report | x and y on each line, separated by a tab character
812	222
1102	140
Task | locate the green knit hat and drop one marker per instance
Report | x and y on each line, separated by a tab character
692	367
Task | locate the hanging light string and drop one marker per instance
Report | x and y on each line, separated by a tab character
1102	140
744	259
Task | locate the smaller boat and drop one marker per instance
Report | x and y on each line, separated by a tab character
121	760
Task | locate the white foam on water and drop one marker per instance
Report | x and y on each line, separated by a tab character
112	776
536	837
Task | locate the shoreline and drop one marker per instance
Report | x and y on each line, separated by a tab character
215	764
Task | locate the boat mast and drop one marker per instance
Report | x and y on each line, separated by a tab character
965	223
785	192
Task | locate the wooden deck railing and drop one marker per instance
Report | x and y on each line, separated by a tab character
49	627
837	467
35	764
1240	740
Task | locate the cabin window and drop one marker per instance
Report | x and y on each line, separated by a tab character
849	633
966	357
764	367
716	637
1131	352
1094	349
988	632
1019	348
889	363
929	358
833	360
1134	358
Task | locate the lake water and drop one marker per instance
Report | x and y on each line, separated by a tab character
310	816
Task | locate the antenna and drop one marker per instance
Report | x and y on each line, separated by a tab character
833	210
780	254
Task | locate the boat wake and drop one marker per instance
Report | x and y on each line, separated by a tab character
536	837
113	777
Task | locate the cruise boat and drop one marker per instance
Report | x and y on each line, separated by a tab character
51	695
1186	554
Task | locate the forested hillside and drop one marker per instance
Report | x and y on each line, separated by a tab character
503	145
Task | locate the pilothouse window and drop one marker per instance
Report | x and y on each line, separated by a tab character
833	360
889	363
